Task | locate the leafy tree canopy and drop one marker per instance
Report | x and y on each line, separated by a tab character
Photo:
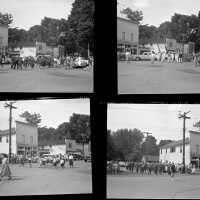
136	15
34	119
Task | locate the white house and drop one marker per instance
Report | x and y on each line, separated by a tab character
173	152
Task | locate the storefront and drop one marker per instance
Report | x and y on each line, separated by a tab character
127	36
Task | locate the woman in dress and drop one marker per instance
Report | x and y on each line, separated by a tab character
5	171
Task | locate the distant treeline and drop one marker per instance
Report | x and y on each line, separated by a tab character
78	128
76	33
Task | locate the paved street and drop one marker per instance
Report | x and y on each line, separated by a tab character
48	180
142	77
153	187
46	80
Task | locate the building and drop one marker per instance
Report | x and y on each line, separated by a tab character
68	146
3	38
173	152
127	35
150	158
24	140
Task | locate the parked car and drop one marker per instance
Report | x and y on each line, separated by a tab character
144	56
88	158
80	62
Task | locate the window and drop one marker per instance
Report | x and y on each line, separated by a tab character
197	149
123	36
23	139
0	139
172	149
180	149
132	37
6	139
31	139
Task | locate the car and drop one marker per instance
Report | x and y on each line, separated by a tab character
88	158
144	56
80	62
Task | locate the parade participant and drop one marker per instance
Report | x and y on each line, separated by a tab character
127	56
172	169
153	56
180	56
62	162
5	171
71	161
30	162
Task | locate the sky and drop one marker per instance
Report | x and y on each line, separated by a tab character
53	112
27	13
157	11
159	119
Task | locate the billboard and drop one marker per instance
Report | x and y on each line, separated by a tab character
171	44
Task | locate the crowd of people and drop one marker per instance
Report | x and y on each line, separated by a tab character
148	168
168	56
19	63
43	161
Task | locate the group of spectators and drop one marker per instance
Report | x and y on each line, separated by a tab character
147	168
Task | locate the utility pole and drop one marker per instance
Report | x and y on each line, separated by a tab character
10	106
147	134
184	117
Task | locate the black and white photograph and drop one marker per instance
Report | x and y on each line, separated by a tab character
158	46
45	147
47	46
153	151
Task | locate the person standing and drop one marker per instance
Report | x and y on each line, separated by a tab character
5	171
127	57
71	161
181	56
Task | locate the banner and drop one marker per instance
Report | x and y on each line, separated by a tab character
171	44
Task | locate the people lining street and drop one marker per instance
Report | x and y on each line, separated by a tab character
148	168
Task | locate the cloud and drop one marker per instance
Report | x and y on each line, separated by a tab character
133	4
141	3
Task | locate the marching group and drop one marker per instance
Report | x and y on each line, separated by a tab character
147	168
17	62
169	56
54	161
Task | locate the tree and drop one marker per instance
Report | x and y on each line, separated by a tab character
197	124
112	153
81	24
128	143
133	15
6	18
79	124
34	119
147	34
149	147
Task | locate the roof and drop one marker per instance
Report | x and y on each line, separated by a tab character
6	132
25	123
128	20
4	25
175	143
